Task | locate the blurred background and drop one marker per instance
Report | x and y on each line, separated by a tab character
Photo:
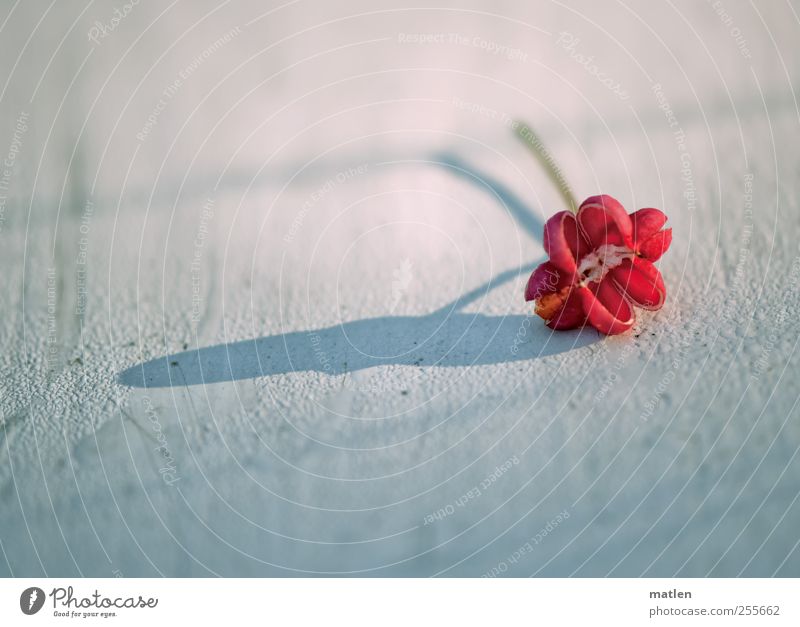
263	276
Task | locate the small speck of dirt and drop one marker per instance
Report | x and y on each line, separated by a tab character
185	346
173	363
77	361
404	392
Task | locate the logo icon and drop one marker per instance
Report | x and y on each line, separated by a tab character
31	600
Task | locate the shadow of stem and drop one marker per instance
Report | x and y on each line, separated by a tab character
436	340
444	338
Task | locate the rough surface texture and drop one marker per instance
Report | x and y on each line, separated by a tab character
320	229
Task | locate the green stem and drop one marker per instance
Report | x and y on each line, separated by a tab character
545	159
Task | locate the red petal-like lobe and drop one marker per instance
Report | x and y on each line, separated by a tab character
646	223
562	241
571	315
603	220
656	245
606	308
550	289
545	279
641	282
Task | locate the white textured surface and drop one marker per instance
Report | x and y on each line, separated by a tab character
349	393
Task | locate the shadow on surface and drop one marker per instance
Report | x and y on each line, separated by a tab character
444	338
438	340
525	217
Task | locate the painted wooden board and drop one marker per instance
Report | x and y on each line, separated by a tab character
262	290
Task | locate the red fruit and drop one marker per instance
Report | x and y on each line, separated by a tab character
600	266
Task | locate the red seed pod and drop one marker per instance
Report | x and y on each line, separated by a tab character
600	266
